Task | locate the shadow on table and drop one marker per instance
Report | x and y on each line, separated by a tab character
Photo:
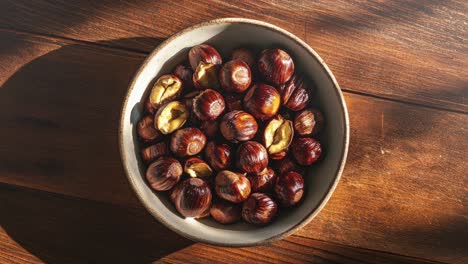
60	117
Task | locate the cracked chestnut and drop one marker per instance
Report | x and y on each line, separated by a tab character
203	53
197	168
277	136
206	76
171	117
167	88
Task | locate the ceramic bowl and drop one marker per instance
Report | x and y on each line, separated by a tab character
226	34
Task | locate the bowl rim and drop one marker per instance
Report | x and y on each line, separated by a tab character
315	211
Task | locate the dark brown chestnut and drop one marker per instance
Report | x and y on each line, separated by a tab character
149	107
245	55
225	212
167	88
276	66
232	186
233	102
197	168
238	126
219	156
306	150
192	198
262	101
308	122
184	73
277	136
206	76
263	181
164	173
155	151
289	188
187	142
259	209
204	53
252	157
171	117
208	105
146	129
287	164
235	76
210	128
296	93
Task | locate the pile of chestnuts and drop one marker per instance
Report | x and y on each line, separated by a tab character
231	140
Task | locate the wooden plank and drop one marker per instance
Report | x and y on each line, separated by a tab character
402	189
44	227
412	51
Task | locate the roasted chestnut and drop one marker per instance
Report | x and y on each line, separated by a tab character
225	212
238	126
219	156
232	186
171	117
197	168
276	66
306	150
289	188
164	173
187	142
233	102
262	101
155	151
208	105
286	165
245	55
308	122
259	209
184	73
210	128
167	88
192	197
252	157
206	76
149	107
263	181
146	129
203	53
277	136
235	76
296	93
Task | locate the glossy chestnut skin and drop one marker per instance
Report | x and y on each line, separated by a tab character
197	168
287	164
210	128
263	181
296	93
238	126
192	197
146	129
185	73
262	101
259	209
276	66
289	188
203	53
225	212
219	156
167	88
306	150
231	186
164	173
208	105
206	76
235	76
233	102
252	157
187	142
308	122
245	55
155	151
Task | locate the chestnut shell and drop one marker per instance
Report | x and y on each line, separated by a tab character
146	130
225	212
309	122
289	188
219	156
192	197
276	66
252	157
187	142
203	53
238	126
231	186
164	173
259	209
262	101
235	76
208	105
263	181
306	150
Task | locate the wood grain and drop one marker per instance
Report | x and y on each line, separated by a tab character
43	227
403	190
413	51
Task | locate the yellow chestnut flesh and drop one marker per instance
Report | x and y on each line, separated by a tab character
166	88
197	168
278	135
171	117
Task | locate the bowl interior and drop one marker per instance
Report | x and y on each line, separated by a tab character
226	35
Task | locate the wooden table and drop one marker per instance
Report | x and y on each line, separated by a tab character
66	65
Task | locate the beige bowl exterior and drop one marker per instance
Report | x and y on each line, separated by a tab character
226	34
